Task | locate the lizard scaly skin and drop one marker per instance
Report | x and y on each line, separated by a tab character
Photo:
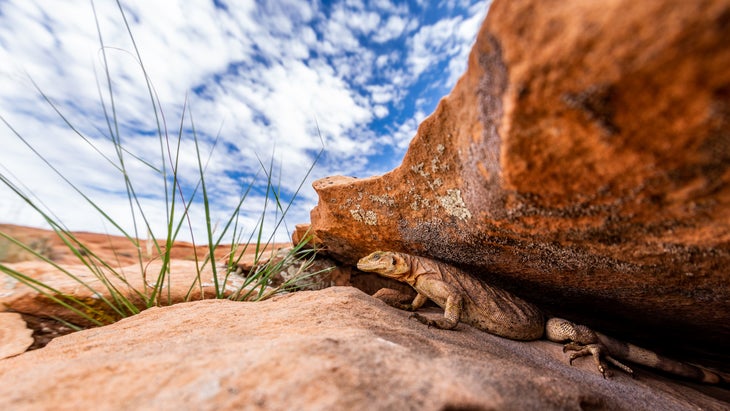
465	298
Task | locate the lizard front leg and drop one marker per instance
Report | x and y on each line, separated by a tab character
583	341
394	298
451	313
445	296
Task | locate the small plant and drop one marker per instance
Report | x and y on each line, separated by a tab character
112	296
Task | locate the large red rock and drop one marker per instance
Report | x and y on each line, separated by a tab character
582	161
333	349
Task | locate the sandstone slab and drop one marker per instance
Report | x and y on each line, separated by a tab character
15	337
330	349
582	161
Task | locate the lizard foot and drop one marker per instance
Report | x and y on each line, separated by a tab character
394	298
598	353
441	323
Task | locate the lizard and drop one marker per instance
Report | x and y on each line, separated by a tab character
465	298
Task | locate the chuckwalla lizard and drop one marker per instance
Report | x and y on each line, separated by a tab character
465	298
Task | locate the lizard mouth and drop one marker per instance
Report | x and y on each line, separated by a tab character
377	262
370	266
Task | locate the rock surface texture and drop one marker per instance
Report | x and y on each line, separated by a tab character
330	349
582	162
15	336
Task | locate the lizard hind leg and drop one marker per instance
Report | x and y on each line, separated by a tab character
599	354
452	314
584	342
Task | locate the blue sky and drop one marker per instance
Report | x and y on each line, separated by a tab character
268	79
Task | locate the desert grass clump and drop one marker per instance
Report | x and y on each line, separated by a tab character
11	253
108	295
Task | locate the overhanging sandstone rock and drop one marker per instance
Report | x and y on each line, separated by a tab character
582	161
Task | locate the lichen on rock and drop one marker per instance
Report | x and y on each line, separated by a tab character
454	205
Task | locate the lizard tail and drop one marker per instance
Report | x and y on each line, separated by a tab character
650	359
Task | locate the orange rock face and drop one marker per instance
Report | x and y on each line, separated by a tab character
582	161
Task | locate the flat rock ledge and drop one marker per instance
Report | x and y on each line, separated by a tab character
335	348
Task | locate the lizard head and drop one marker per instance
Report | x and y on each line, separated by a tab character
385	263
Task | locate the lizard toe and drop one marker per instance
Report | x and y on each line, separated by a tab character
623	367
420	318
598	353
573	346
578	354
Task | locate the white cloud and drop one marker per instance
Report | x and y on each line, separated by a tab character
404	133
393	28
382	93
430	44
447	39
338	36
355	67
467	31
381	61
363	22
391	7
380	111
